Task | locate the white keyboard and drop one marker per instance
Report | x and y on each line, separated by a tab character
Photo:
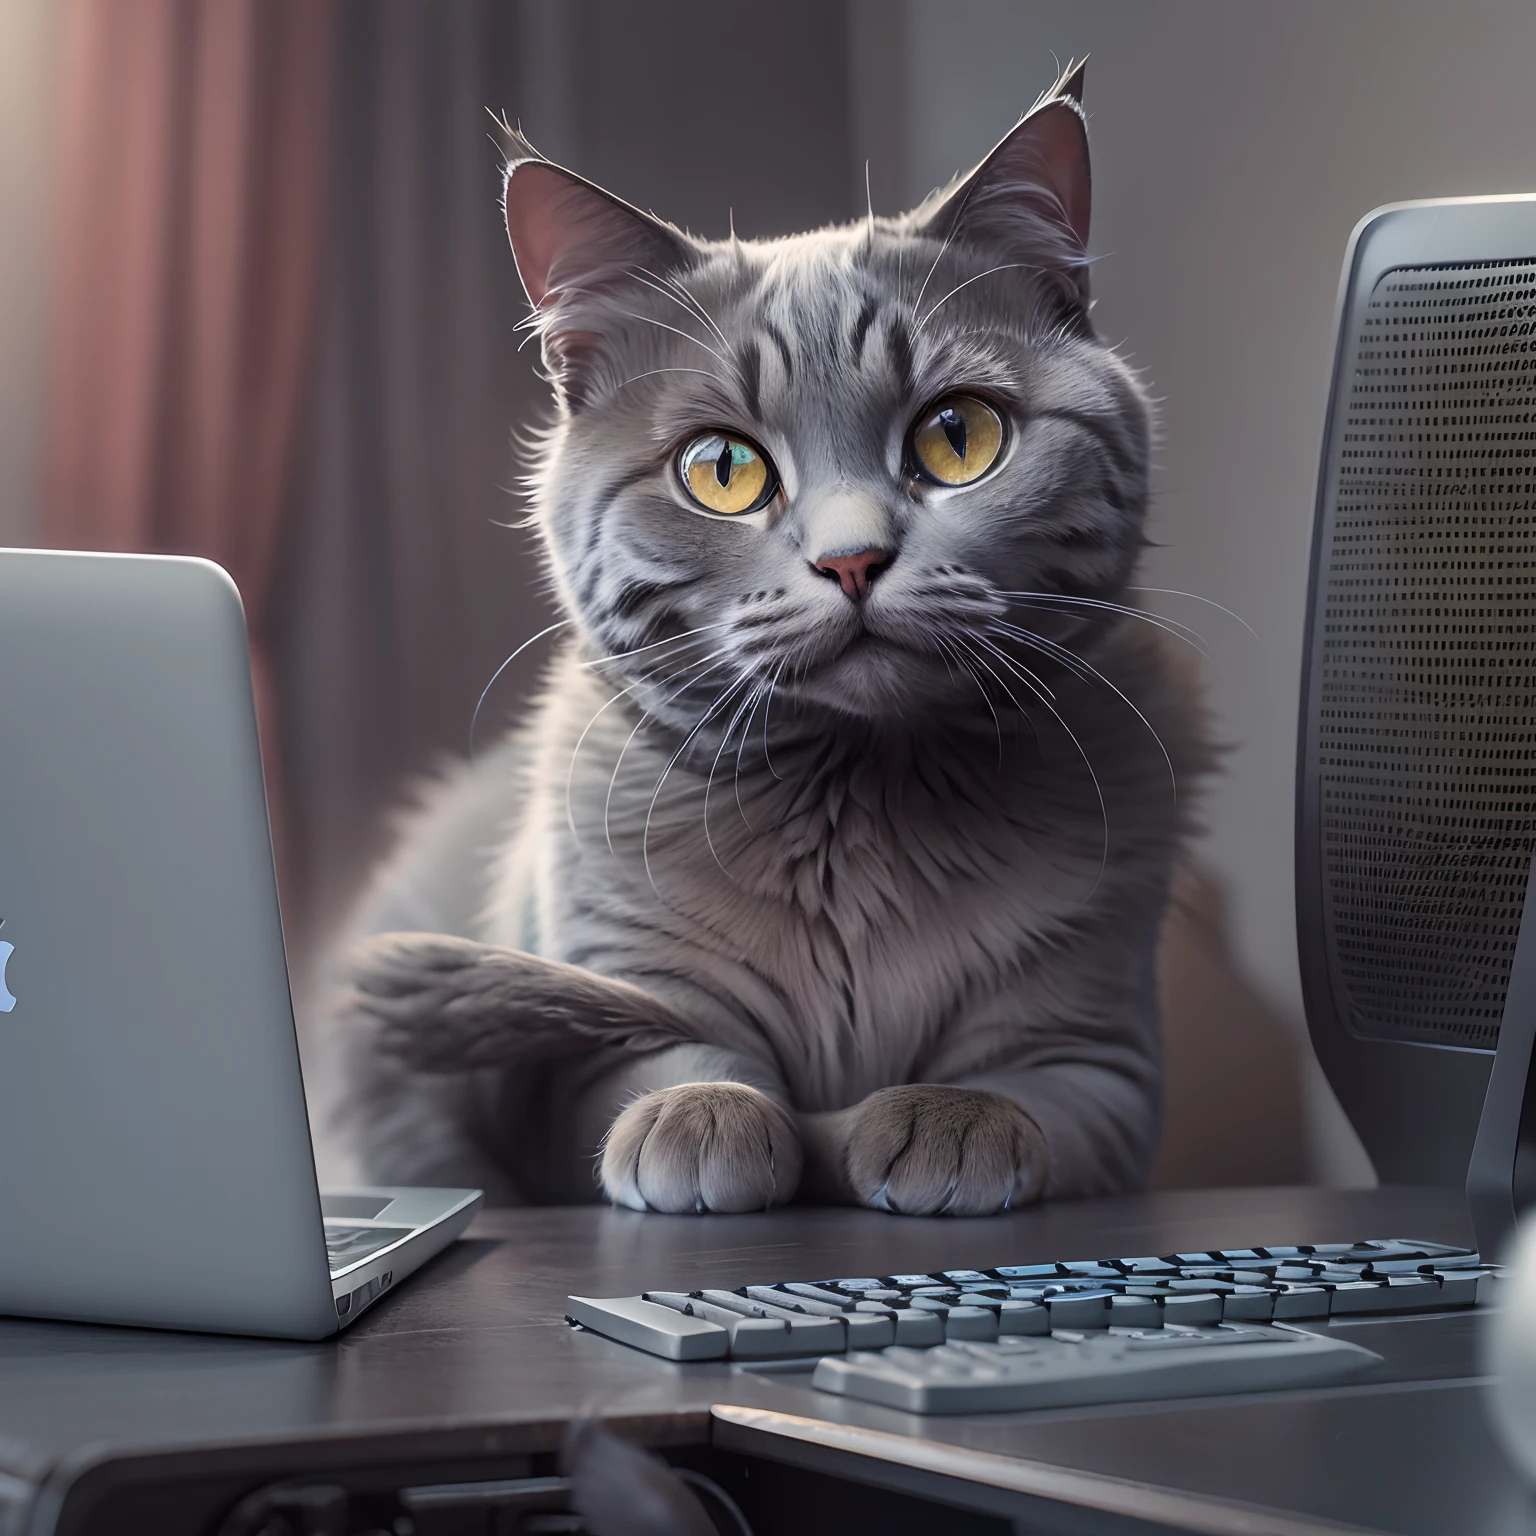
1078	1331
1067	1368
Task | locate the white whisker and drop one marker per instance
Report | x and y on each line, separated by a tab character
1035	680
986	698
570	772
725	741
773	682
1089	673
1190	637
661	325
703	720
644	275
758	695
1007	266
645	714
1098	791
650	373
678	285
480	702
1196	597
917	303
640	650
644	677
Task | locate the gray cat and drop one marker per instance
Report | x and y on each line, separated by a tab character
833	857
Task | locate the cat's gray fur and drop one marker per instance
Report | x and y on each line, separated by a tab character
778	890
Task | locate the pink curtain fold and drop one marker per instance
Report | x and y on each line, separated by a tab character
192	151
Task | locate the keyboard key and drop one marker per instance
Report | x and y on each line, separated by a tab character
811	1335
1293	1301
919	1330
1458	1288
1084	1310
866	1331
970	1323
1361	1296
1135	1312
1148	1266
816	1293
1192	1310
761	1338
934	1304
1400	1293
1248	1303
1028	1271
772	1296
643	1325
1023	1317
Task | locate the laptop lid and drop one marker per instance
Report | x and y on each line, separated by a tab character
155	1161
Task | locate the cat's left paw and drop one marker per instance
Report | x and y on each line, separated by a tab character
702	1147
923	1150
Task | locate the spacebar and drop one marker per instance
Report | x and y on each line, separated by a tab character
645	1325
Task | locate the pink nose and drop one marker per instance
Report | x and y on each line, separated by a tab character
855	572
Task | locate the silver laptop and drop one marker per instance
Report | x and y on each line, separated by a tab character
155	1158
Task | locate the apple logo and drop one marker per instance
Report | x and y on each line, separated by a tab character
7	1002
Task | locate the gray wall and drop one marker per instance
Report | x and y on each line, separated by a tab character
1235	146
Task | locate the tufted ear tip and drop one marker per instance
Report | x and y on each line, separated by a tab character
1070	85
1034	188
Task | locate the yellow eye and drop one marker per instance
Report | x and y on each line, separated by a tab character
957	440
726	475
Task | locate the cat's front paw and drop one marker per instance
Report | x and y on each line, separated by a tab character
930	1151
701	1147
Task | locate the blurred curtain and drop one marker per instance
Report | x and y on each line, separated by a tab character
190	160
402	585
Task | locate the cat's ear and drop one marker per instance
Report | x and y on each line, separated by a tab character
1031	197
575	244
567	233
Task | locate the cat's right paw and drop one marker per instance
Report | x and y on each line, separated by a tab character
701	1147
924	1149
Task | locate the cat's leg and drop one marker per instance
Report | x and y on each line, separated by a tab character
684	1125
377	1121
989	1141
400	1126
1074	1110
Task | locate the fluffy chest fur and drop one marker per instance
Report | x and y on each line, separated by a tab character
845	906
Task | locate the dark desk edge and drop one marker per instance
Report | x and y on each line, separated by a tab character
838	1448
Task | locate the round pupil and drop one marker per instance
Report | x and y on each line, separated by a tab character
954	429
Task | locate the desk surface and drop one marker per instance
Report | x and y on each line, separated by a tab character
471	1357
